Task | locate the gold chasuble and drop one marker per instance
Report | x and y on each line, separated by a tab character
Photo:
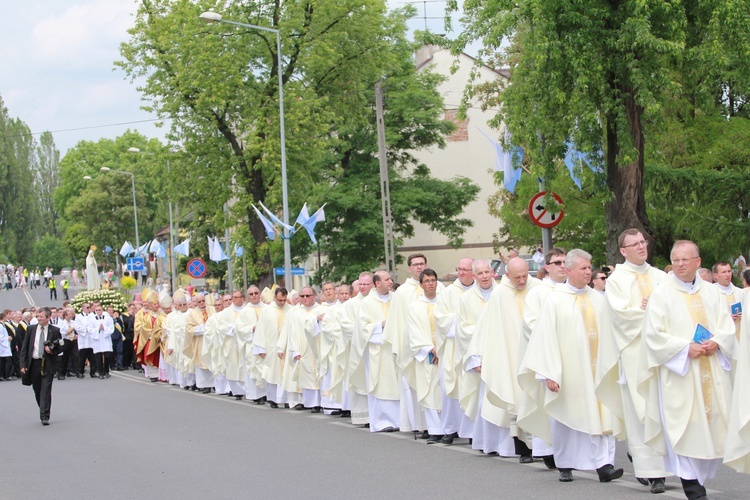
693	395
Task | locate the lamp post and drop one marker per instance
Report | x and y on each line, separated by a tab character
213	17
135	206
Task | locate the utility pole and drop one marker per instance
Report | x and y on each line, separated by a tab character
385	190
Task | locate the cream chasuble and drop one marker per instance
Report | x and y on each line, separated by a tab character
244	332
265	340
695	405
420	374
196	323
737	453
446	320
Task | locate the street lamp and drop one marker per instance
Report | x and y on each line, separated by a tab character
135	207
213	17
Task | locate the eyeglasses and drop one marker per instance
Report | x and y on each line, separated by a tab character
306	295
678	262
418	264
254	293
642	243
462	270
557	263
603	278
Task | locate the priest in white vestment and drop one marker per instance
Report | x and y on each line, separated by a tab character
684	373
563	351
264	347
470	309
372	366
493	353
174	324
737	452
211	353
446	320
247	324
411	418
357	402
229	347
422	372
330	344
722	274
628	290
195	328
304	347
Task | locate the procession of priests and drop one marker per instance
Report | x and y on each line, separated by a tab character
552	370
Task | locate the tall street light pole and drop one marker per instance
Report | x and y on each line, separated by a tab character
135	206
213	17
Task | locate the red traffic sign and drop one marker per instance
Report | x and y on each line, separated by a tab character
539	213
196	268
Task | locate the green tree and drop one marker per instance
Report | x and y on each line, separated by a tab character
50	252
219	87
46	182
595	72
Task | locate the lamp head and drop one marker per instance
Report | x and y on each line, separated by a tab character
104	169
86	177
210	17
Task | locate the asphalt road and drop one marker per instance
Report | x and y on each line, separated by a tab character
128	438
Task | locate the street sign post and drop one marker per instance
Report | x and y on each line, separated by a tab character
541	215
296	271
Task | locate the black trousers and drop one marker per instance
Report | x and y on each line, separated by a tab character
83	355
103	362
42	384
6	367
52	291
128	352
67	362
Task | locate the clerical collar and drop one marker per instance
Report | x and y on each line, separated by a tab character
331	304
382	298
486	292
639	269
466	287
687	286
237	308
726	290
549	281
425	299
577	291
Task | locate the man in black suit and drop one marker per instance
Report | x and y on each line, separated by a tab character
40	347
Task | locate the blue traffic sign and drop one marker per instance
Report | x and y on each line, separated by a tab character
296	271
135	264
196	268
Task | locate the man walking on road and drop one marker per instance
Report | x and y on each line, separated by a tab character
40	346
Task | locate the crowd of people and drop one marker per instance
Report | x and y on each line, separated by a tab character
556	368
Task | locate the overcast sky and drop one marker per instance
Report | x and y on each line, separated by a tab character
57	67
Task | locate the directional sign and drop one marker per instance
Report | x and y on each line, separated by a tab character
296	271
196	268
135	265
539	213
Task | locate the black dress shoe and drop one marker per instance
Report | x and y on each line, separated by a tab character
566	475
206	390
693	489
390	428
447	439
299	407
286	405
434	438
262	401
336	412
425	435
641	480
658	486
316	409
273	405
549	462
346	413
45	422
239	397
608	472
187	387
525	459
155	379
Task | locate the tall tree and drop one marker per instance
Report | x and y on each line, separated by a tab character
593	72
46	182
219	86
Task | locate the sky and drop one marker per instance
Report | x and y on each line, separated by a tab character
57	68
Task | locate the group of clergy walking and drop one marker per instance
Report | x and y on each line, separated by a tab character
547	368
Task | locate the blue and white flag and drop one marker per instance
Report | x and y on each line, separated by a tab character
309	224
275	219
238	250
215	252
266	224
574	158
183	248
143	249
126	249
303	215
107	249
158	249
505	159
